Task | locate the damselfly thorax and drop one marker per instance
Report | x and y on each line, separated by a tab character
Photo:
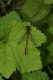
27	29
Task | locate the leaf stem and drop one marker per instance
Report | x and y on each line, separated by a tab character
50	70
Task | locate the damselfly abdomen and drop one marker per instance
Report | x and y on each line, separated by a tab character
27	30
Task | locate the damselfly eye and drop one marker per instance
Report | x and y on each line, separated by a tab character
28	29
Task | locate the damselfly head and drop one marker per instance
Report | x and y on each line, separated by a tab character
28	29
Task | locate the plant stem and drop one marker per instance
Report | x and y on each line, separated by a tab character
50	70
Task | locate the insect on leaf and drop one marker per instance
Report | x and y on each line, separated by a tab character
31	61
12	54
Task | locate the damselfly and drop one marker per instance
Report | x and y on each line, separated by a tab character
26	37
27	29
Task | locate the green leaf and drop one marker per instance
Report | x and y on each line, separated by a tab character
7	20
48	1
34	54
7	52
50	19
50	22
12	53
10	17
36	75
38	36
51	29
29	62
35	11
50	48
32	61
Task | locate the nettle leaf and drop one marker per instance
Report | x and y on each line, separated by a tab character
50	22
48	1
12	48
51	29
36	75
5	21
10	16
7	58
35	11
50	48
38	35
32	61
50	19
29	62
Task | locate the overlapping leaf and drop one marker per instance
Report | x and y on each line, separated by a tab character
36	75
50	29
50	48
50	22
35	11
48	1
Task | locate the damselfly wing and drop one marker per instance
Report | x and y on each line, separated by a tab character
26	37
